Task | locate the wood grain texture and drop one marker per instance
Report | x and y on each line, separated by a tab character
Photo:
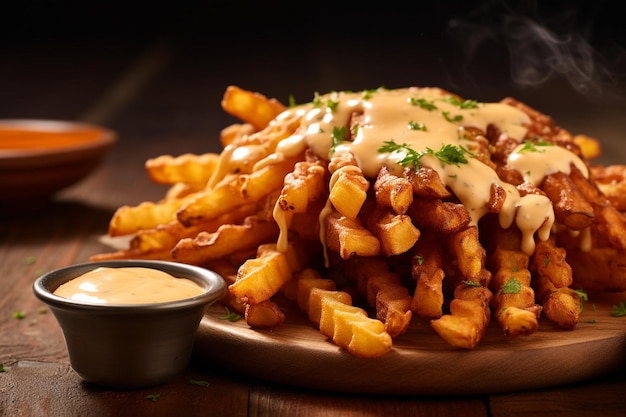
420	362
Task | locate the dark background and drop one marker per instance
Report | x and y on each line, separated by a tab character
566	58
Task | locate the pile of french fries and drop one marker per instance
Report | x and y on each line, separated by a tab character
362	256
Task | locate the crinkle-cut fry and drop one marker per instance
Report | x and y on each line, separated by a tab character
427	269
235	132
469	253
393	191
305	184
251	107
264	315
182	190
550	261
570	206
350	327
395	232
319	294
166	236
185	168
146	215
348	191
435	214
427	183
348	237
261	277
306	282
514	305
226	240
243	189
609	221
469	316
560	305
383	290
159	255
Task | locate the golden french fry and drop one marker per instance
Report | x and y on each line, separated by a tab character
348	237
185	168
226	240
251	107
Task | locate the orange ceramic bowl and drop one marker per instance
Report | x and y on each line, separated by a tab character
40	157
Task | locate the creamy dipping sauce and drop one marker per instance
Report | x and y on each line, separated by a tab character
128	285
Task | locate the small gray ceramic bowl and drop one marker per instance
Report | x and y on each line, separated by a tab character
129	345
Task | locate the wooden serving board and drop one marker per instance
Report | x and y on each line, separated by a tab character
420	362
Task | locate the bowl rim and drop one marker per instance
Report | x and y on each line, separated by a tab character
106	139
213	283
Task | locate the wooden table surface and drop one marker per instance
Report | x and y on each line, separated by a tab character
160	89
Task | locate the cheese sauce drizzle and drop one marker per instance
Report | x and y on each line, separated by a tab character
391	115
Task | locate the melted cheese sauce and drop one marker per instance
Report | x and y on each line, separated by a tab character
129	285
392	115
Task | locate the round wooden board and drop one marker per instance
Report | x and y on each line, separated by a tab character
420	363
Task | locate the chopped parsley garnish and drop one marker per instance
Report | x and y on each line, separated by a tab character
231	315
529	146
512	286
2	368
546	261
29	260
471	283
18	315
338	136
462	104
619	310
419	259
423	103
582	294
583	297
448	154
331	103
152	397
417	126
292	101
452	119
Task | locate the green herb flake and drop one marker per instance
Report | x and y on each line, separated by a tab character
529	146
448	154
512	286
546	261
452	119
417	126
619	310
18	315
462	104
152	397
30	260
2	368
199	383
292	101
419	259
471	283
592	321
317	100
231	315
423	103
338	137
582	294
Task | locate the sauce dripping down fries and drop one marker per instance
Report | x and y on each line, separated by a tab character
423	119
